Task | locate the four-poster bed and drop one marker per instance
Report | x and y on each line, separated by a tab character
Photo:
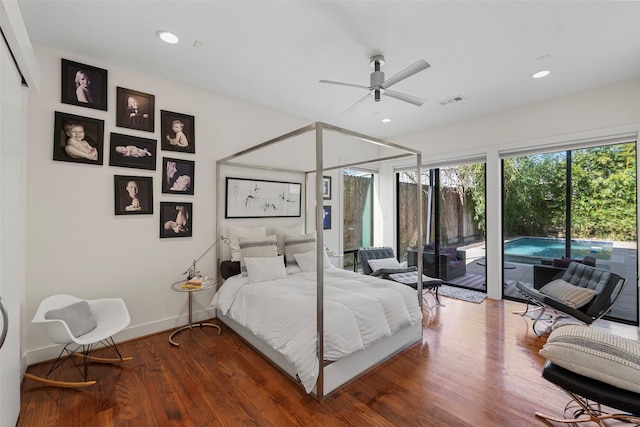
400	306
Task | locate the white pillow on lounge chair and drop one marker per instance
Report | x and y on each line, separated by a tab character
387	263
568	294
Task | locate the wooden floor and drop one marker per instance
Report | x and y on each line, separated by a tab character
478	365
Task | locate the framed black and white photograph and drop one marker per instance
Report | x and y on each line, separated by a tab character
84	85
177	176
175	219
78	139
135	110
133	195
254	198
178	132
326	218
132	151
326	187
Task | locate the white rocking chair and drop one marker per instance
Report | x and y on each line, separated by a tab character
110	316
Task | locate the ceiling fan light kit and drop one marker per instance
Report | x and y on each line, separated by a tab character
378	86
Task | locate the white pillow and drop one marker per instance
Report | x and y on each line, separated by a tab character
391	263
256	247
261	269
298	244
234	232
280	232
568	294
307	261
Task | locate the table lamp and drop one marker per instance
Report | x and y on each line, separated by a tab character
191	271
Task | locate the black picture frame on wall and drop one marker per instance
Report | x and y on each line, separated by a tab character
135	110
178	176
326	217
78	139
132	151
178	132
326	188
84	85
176	219
133	194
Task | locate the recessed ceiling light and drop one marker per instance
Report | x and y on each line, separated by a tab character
387	120
167	37
541	74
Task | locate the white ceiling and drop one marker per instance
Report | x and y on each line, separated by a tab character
273	53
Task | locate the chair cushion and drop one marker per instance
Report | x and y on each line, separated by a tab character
452	252
77	316
390	263
596	354
568	294
561	262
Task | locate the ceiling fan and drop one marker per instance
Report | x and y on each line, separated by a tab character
378	86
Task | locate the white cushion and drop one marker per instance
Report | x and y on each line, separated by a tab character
571	295
77	316
256	247
234	233
596	354
261	269
391	263
298	244
307	261
280	232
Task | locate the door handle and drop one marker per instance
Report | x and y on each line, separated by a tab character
5	321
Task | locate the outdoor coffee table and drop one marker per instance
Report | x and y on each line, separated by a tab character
428	283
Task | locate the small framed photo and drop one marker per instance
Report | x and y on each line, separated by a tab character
177	176
326	218
326	187
178	132
175	219
132	152
78	139
133	195
84	85
135	110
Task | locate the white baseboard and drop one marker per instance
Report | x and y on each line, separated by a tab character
131	332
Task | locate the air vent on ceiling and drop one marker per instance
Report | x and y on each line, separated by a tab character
451	100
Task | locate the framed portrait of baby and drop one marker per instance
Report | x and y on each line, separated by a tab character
135	110
177	176
78	139
133	195
177	132
84	85
175	219
132	151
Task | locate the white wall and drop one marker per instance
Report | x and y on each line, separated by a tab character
75	243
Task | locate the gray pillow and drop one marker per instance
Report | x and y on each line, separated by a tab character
77	316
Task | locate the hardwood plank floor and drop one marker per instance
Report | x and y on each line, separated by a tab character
478	365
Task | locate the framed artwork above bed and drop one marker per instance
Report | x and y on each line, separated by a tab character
255	198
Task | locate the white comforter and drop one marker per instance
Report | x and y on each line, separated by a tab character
358	310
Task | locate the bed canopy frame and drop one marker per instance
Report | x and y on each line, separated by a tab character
314	138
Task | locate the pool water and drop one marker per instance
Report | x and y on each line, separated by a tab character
545	247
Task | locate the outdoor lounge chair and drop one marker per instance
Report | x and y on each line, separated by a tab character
583	292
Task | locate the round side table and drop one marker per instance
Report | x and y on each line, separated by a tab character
177	287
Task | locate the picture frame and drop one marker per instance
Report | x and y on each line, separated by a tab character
178	176
326	188
133	194
132	151
177	132
176	219
87	147
83	85
135	110
326	218
255	198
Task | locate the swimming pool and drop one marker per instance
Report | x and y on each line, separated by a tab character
531	249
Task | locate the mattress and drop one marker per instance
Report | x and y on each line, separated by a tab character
358	311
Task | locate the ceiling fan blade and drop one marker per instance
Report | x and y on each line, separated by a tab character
344	84
358	102
407	72
404	97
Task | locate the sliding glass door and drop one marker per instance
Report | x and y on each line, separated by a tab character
570	205
357	214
